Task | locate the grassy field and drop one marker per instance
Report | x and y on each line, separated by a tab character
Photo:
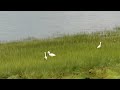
76	57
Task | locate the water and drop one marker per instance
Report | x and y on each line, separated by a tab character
16	25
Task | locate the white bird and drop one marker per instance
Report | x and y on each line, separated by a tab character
99	46
45	56
51	54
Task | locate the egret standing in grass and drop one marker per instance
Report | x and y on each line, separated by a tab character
51	54
99	46
45	56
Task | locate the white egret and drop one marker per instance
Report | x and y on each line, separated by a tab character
45	56
99	46
51	54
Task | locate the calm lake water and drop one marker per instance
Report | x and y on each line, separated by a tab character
16	25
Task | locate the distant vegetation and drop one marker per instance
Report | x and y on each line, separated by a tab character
77	57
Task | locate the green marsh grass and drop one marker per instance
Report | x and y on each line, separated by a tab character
76	57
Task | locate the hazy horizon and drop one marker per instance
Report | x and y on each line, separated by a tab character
16	25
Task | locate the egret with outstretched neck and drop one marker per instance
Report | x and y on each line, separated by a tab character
51	54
